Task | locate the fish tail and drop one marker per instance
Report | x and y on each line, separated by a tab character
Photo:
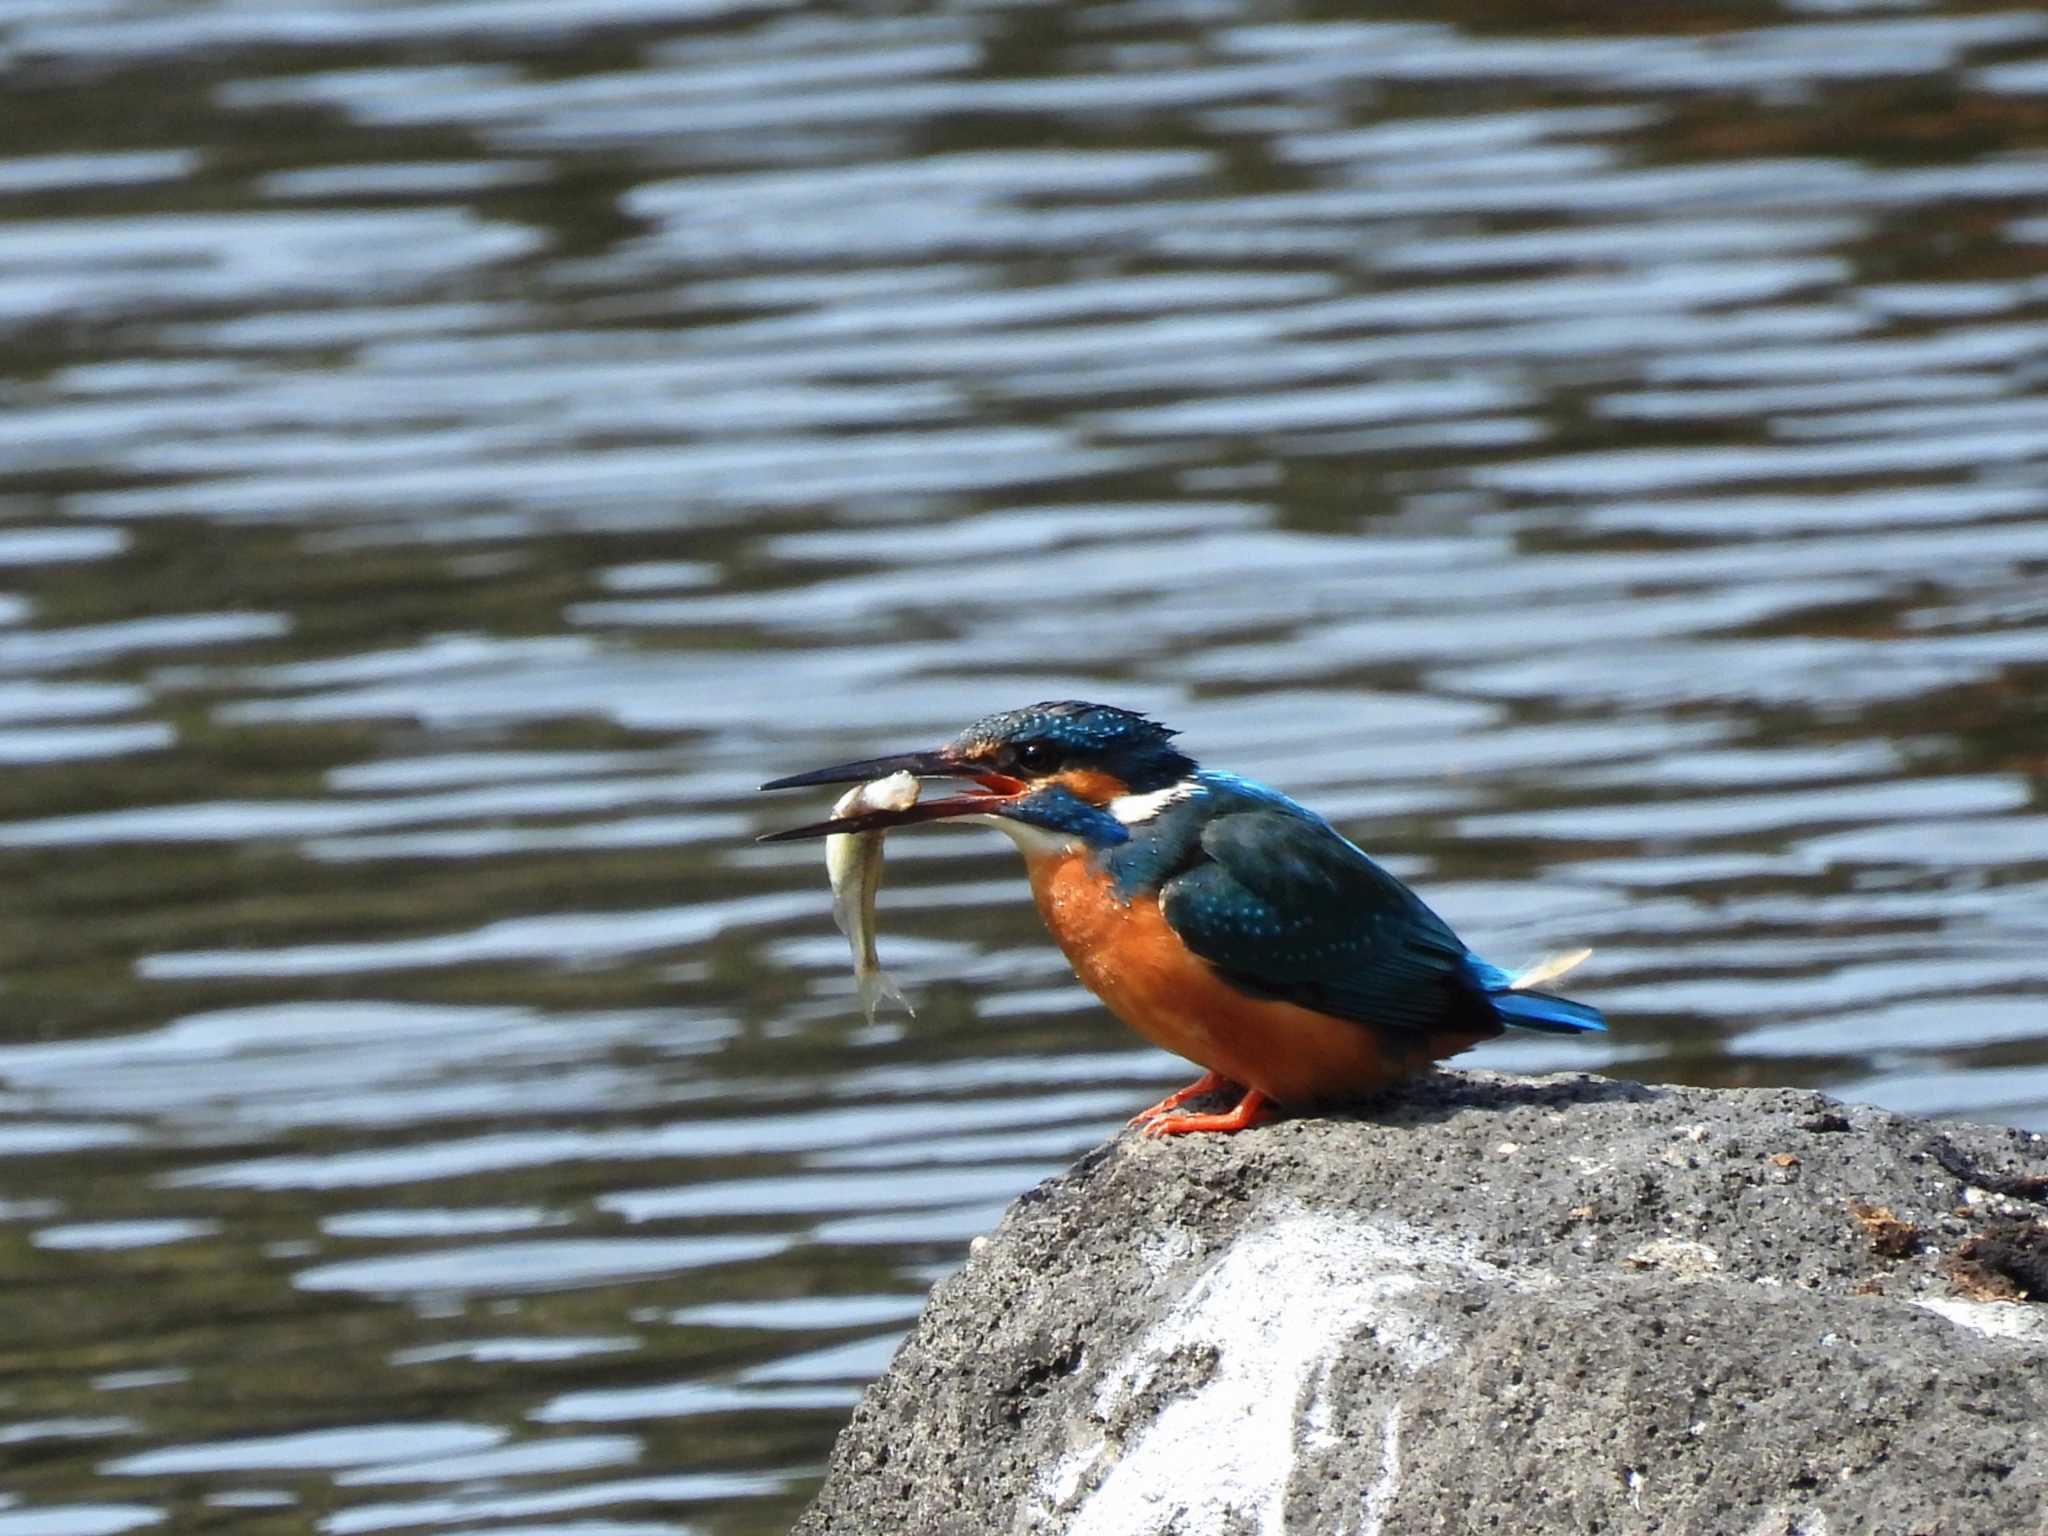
876	987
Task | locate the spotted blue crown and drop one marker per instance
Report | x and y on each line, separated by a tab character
1138	750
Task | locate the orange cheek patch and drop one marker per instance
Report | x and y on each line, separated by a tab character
1091	784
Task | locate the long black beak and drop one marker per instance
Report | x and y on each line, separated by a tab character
994	790
925	765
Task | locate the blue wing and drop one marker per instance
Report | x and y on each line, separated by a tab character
1284	907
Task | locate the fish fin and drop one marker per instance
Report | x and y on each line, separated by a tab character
875	987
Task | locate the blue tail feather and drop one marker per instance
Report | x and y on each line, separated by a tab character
1544	1012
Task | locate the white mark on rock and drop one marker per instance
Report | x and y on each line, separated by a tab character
1782	1520
1678	1256
1994	1319
1266	1319
1319	1421
1166	1252
1379	1498
1059	1487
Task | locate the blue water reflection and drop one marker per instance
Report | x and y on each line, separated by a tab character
453	452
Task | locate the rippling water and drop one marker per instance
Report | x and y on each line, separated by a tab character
453	451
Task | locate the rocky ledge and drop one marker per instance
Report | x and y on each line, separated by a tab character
1561	1304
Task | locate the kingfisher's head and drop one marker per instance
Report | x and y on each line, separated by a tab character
1072	769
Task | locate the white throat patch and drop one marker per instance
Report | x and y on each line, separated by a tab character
1034	842
1132	809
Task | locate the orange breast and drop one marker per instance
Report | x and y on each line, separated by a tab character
1145	975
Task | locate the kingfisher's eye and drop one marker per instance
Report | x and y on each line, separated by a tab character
1038	756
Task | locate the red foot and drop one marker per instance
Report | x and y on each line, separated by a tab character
1251	1110
1208	1082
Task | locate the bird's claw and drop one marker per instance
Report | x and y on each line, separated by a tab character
1208	1082
1252	1109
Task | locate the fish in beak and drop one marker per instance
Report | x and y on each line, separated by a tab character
853	863
990	793
884	796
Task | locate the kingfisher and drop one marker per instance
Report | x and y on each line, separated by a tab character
1215	916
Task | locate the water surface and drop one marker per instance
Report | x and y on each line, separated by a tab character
453	452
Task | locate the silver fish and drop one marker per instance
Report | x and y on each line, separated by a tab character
853	860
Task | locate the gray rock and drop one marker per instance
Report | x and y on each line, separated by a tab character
1494	1304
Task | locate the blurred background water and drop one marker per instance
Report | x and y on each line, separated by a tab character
453	449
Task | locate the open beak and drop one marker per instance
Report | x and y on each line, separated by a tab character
990	792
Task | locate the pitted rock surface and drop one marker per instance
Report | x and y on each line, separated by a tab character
1489	1303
